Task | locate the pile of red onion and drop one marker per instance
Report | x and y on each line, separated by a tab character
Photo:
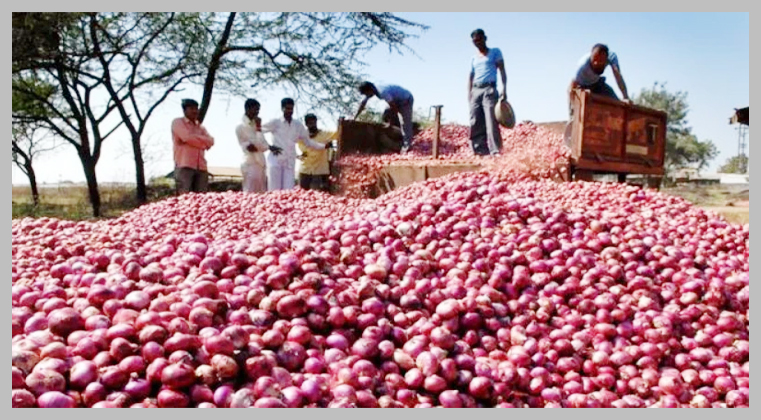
471	290
529	152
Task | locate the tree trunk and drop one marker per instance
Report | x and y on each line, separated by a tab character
33	183
92	184
142	190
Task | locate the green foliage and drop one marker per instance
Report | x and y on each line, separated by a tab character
683	149
735	165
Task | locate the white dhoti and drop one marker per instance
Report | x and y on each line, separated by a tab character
280	174
254	177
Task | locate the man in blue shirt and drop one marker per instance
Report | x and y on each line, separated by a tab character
482	95
400	102
591	68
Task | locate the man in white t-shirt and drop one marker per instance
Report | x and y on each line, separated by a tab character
286	134
482	95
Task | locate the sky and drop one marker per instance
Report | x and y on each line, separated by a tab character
704	54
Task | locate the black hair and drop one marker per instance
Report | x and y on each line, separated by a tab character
187	103
251	103
478	32
602	48
308	117
286	101
365	86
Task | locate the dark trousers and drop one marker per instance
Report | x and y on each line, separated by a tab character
315	182
191	180
602	88
484	129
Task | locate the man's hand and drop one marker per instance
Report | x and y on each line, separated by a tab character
258	122
330	146
627	101
504	94
251	148
276	150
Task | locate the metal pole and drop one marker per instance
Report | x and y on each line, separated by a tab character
437	137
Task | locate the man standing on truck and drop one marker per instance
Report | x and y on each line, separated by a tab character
315	168
399	100
191	141
286	133
485	137
589	76
251	140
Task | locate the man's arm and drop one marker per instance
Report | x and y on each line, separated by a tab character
308	142
573	86
245	140
620	81
470	84
185	136
206	138
269	126
361	107
503	73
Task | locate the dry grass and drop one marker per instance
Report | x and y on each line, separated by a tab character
724	200
72	202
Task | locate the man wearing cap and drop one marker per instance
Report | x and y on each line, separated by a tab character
315	168
252	142
400	102
286	133
191	141
482	95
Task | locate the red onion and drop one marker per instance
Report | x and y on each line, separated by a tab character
178	376
168	398
40	382
55	399
21	398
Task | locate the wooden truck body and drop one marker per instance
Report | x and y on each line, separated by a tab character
611	137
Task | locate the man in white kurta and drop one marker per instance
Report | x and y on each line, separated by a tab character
253	145
286	134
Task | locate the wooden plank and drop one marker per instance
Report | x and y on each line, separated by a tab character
443	170
618	167
603	131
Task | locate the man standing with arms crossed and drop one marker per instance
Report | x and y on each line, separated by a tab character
482	94
191	141
286	133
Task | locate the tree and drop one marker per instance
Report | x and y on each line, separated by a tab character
26	145
683	149
317	55
143	58
735	165
57	91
